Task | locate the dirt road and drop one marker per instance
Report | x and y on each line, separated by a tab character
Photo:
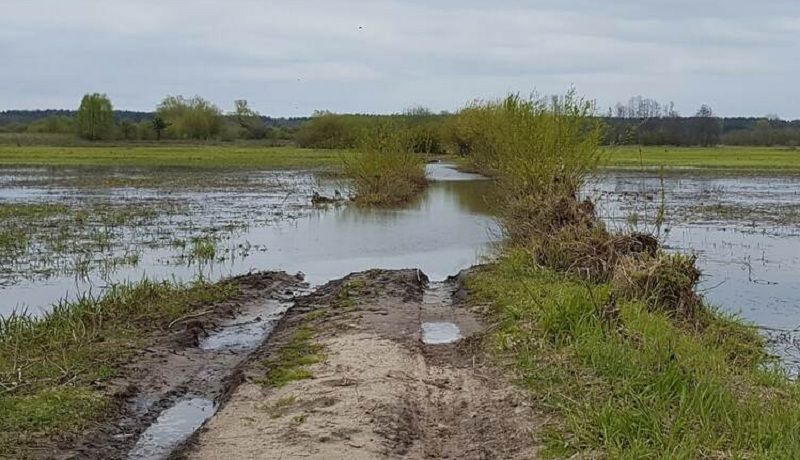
388	382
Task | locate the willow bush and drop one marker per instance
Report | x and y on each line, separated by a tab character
385	171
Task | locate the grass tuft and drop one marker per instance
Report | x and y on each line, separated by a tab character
291	363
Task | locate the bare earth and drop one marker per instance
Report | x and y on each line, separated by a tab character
380	392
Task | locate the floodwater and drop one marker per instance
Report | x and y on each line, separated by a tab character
748	249
447	229
437	333
744	229
172	427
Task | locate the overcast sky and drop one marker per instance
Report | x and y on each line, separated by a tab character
291	57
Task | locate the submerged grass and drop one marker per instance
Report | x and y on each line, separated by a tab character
628	381
50	367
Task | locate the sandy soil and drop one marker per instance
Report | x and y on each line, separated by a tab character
381	392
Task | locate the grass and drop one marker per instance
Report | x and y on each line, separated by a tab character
605	329
768	159
292	361
50	367
200	156
636	384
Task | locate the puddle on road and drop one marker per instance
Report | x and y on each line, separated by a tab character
172	427
438	294
247	330
440	333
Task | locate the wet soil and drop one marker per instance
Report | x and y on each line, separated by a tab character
381	391
173	386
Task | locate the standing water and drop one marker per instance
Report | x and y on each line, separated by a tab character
745	231
445	230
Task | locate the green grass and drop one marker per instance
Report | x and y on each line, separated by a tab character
640	386
202	156
720	158
291	363
32	211
50	367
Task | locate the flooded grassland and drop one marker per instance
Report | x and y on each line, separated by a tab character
745	230
67	232
74	232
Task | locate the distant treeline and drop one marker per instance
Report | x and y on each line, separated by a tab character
176	118
26	117
641	121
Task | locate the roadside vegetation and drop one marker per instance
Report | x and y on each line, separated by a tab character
55	370
605	329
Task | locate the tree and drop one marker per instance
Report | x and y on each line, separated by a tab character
707	127
95	119
249	120
193	118
127	129
159	125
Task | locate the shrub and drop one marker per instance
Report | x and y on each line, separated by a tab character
328	130
384	171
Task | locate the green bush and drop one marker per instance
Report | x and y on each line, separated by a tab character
384	171
328	130
193	118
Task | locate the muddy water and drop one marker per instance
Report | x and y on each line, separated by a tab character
171	428
749	252
437	333
445	230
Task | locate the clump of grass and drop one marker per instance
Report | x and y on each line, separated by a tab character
204	248
384	171
665	282
50	365
636	385
292	361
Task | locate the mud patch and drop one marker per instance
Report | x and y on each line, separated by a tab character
171	388
379	392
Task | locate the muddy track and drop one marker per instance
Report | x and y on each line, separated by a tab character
186	373
404	375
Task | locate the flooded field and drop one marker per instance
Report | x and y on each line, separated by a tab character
95	227
745	231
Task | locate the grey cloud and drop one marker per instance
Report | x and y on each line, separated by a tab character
289	58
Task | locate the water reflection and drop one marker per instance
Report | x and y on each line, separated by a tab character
446	230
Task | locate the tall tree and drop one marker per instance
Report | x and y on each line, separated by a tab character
708	128
159	125
249	120
95	119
